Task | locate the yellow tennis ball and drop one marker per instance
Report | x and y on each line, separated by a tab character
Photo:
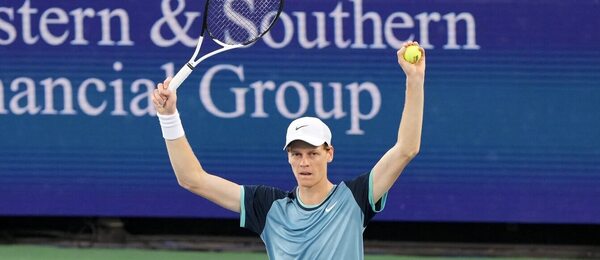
412	54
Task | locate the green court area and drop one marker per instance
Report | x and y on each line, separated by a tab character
25	252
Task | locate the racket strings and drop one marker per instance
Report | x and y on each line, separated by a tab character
240	21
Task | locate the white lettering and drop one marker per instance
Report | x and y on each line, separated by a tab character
106	16
424	19
321	39
179	33
29	95
451	20
356	115
390	25
280	99
144	97
46	19
299	96
79	15
118	92
57	25
118	86
291	99
239	93
288	26
359	19
26	11
82	99
49	85
240	21
259	89
2	107
169	69
338	16
8	28
337	110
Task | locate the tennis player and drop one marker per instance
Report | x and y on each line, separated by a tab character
317	219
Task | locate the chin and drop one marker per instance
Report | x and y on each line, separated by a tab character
305	183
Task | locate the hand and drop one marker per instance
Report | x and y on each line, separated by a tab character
164	100
414	72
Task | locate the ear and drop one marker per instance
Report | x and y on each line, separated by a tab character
330	154
289	157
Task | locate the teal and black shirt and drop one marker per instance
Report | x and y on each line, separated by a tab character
292	230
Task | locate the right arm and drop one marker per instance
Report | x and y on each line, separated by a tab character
190	174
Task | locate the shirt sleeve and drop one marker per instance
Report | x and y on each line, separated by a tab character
362	190
255	202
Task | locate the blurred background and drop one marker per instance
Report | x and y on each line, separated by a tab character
510	157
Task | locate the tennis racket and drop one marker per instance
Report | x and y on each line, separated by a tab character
231	24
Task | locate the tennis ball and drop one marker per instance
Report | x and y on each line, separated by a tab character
412	54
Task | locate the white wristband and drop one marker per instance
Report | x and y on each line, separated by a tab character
171	126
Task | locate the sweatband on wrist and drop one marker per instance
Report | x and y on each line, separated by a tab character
171	126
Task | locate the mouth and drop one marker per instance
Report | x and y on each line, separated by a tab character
304	173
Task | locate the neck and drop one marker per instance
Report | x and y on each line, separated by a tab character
316	194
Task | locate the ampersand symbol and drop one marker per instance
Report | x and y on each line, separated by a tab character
169	18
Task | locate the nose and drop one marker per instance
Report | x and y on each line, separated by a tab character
304	161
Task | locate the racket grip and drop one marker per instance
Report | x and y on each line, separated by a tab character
181	75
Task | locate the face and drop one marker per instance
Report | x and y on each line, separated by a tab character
309	163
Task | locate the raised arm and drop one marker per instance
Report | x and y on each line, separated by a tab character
190	174
393	162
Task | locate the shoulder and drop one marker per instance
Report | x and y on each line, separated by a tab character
264	193
358	183
256	203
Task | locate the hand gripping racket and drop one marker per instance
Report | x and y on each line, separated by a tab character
231	24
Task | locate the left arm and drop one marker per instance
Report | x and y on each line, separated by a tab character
393	162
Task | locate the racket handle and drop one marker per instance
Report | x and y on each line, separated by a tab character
181	75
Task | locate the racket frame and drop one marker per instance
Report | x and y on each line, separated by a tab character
187	69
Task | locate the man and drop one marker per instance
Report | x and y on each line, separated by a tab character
316	220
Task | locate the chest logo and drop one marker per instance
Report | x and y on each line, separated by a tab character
330	207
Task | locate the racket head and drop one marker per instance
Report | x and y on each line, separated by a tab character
240	22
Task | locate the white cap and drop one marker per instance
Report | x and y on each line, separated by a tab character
308	129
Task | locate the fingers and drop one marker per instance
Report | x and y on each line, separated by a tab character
158	99
400	55
163	98
403	63
166	82
163	89
164	86
422	59
401	52
416	71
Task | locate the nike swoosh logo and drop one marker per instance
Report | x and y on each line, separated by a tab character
300	127
330	207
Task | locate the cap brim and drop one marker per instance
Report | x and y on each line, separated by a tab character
310	140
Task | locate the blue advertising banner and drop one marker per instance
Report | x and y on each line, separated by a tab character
511	125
